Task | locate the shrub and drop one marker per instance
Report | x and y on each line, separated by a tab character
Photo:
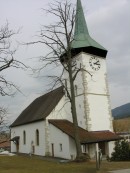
121	151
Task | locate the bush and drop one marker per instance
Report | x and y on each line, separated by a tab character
121	151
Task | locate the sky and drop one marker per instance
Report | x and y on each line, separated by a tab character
108	23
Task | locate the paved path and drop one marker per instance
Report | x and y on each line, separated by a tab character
121	171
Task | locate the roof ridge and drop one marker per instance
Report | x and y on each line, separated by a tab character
49	92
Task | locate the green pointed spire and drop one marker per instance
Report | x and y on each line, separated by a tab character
80	23
82	38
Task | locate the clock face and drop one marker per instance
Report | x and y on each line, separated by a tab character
94	63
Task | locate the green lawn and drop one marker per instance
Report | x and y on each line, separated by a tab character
21	164
110	166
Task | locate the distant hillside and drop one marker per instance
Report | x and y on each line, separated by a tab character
121	125
121	111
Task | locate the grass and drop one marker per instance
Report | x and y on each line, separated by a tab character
110	166
22	164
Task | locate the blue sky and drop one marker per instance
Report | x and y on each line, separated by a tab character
108	23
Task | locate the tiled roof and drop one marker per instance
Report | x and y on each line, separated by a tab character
105	136
40	108
4	144
85	136
121	125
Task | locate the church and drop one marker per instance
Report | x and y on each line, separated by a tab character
45	127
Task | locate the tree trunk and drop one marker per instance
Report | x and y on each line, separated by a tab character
74	113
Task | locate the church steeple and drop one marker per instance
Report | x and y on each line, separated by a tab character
81	29
82	40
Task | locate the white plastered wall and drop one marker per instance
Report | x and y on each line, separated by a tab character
62	110
30	130
97	96
92	96
57	138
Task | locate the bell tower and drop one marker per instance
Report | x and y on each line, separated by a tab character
91	86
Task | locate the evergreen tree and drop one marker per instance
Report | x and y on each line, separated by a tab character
121	151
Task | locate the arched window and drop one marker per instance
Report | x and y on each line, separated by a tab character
24	137
37	137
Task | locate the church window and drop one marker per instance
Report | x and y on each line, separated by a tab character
37	137
24	137
61	147
84	148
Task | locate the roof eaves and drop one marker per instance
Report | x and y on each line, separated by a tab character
30	122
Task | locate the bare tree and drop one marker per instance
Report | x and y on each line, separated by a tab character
58	38
3	117
7	60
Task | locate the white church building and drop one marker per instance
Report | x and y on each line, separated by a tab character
45	127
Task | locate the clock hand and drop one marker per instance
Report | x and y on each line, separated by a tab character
96	63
